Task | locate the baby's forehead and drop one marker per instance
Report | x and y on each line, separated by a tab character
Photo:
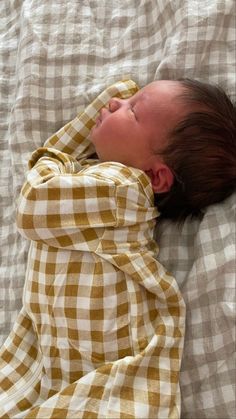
161	90
162	94
163	85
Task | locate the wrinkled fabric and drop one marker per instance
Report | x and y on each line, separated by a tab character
55	58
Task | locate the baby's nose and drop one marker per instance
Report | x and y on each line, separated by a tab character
114	104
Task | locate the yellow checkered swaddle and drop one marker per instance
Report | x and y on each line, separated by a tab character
101	330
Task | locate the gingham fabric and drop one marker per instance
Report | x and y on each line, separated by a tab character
101	330
55	57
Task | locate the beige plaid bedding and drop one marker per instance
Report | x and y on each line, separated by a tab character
56	57
101	330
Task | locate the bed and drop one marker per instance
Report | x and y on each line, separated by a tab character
56	57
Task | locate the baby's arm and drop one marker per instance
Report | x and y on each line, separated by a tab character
64	208
58	201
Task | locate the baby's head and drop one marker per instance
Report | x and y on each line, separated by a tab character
201	152
182	134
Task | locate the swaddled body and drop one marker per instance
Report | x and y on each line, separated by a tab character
102	324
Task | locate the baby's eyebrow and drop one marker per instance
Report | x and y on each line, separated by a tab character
138	97
133	100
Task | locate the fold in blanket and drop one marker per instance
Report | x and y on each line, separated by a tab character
101	330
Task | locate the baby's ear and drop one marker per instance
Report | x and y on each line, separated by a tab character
161	176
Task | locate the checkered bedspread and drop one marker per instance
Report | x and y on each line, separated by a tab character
56	57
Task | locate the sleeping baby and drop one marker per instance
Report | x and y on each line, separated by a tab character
182	134
101	330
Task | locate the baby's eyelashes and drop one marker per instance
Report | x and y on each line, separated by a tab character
133	112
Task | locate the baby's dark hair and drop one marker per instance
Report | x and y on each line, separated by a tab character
201	152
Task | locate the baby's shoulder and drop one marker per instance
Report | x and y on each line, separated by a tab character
128	181
116	172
